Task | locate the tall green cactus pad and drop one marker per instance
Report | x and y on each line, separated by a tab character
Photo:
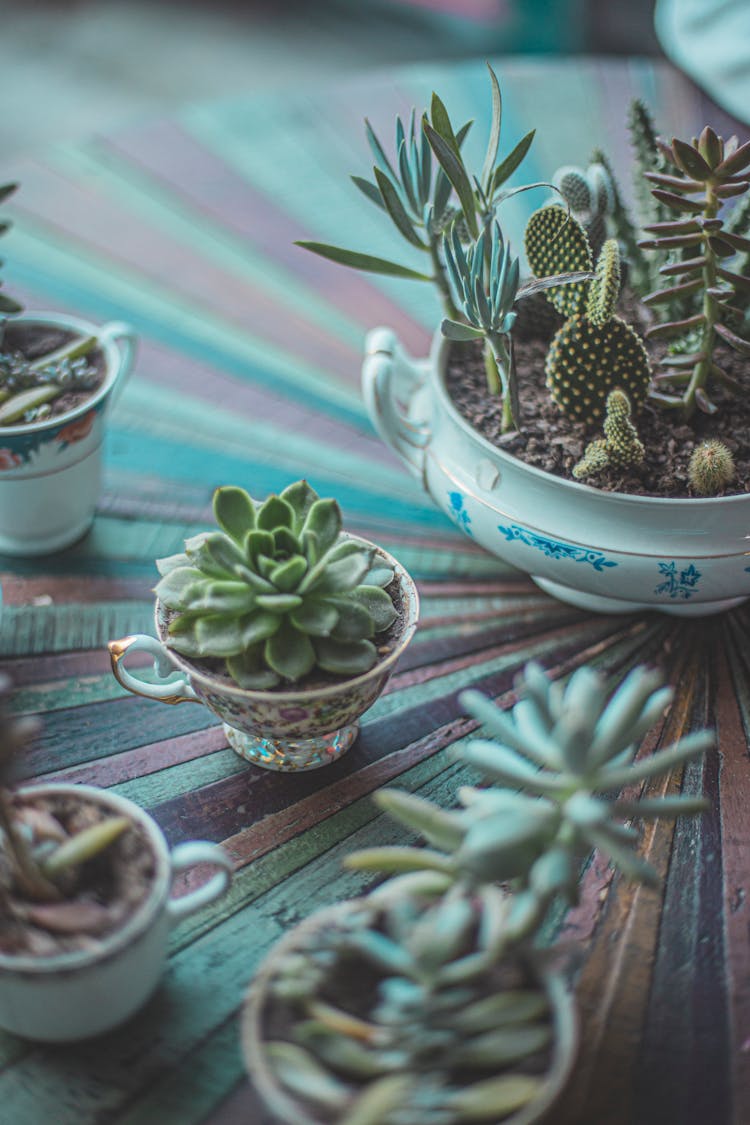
555	242
586	361
605	287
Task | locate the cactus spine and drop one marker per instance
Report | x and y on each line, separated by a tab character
620	448
711	468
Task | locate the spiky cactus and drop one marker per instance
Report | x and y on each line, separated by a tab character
590	195
621	448
711	467
715	170
595	351
277	592
457	1009
556	243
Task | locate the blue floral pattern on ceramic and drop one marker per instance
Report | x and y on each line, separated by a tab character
554	548
459	513
678	584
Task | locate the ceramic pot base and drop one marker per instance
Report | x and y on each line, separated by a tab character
292	755
597	604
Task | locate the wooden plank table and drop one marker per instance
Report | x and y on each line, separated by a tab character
248	373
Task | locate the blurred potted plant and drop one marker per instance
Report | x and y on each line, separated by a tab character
286	627
85	877
58	375
430	999
475	423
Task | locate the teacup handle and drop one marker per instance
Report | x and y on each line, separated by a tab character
187	855
166	689
117	332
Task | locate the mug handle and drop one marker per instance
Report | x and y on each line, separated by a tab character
166	689
187	855
117	332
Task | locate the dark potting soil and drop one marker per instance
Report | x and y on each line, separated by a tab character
99	895
34	341
550	441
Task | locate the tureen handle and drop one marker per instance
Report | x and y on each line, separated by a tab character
390	380
168	688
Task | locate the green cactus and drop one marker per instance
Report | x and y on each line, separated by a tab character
623	229
556	243
278	592
588	358
620	448
590	195
435	933
711	467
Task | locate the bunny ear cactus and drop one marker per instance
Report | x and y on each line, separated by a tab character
595	351
620	448
278	592
590	195
556	243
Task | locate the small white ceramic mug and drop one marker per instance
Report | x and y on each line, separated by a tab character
77	995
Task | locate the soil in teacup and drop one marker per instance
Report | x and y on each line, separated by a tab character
100	895
34	341
552	442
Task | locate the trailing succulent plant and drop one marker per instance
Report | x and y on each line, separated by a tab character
711	467
620	448
594	351
41	856
715	170
277	592
459	1012
428	187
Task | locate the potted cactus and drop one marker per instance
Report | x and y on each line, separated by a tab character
85	877
286	627
498	423
431	998
58	376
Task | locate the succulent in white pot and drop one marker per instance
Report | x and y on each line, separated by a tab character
59	375
600	528
431	999
85	906
284	625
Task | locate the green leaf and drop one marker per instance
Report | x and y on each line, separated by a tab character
354	623
514	158
397	859
171	562
324	518
258	544
285	542
378	604
456	172
494	1098
454	330
501	1009
216	554
503	1046
370	191
344	658
279	603
493	143
85	844
397	211
301	497
275	512
441	828
316	618
734	341
287	575
219	635
9	306
248	671
441	123
365	262
173	587
234	511
690	161
259	627
378	1099
378	150
302	1075
337	577
220	597
289	653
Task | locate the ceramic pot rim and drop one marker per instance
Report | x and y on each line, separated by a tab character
138	922
290	1109
441	349
411	614
108	347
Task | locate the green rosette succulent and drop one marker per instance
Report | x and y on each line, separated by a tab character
278	592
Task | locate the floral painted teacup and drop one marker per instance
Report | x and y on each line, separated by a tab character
301	728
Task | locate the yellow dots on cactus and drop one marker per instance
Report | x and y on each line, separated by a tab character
592	361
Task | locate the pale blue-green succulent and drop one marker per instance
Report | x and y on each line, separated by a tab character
278	592
447	1037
